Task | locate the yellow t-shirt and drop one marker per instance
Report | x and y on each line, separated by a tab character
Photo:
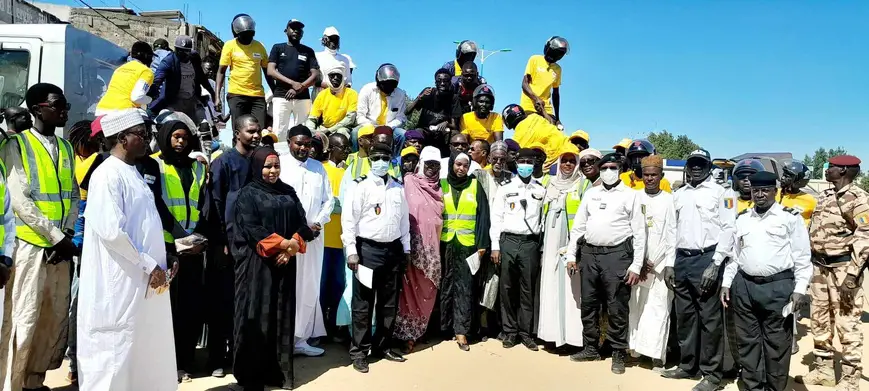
637	184
803	202
334	108
742	205
121	86
245	64
458	68
384	108
332	236
535	128
82	166
485	129
544	77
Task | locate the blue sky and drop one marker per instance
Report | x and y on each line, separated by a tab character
735	76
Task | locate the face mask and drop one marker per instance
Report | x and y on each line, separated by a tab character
524	169
609	177
379	168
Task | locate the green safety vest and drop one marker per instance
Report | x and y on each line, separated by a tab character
544	180
574	198
50	185
460	221
184	207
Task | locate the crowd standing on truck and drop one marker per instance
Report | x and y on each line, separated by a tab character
389	220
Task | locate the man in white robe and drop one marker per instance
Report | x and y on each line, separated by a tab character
649	320
125	340
308	177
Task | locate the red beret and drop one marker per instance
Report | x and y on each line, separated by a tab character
96	126
383	129
845	160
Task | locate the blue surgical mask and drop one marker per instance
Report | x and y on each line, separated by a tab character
524	170
379	168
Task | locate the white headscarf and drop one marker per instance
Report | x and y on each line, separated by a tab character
562	183
428	154
337	68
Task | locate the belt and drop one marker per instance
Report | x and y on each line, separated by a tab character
688	252
828	260
782	275
523	236
592	249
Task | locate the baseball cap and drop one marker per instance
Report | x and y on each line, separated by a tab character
700	154
295	22
330	31
625	143
581	134
269	134
183	42
409	151
366	130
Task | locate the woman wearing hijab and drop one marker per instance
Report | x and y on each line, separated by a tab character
270	230
560	321
183	191
465	231
420	284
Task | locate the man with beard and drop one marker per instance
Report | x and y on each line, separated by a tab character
329	58
764	284
532	128
17	120
464	89
178	80
635	153
482	123
435	106
244	57
794	177
312	185
334	109
496	171
383	103
705	234
294	67
542	80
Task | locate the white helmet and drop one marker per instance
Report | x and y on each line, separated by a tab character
242	23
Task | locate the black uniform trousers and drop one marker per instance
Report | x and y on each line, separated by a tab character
386	259
699	316
764	336
240	105
185	294
520	268
220	288
603	270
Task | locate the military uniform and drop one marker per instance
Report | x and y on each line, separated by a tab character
840	244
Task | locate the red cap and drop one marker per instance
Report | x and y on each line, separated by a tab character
844	160
383	129
96	126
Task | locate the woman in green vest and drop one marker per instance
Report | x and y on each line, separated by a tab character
183	187
465	231
560	321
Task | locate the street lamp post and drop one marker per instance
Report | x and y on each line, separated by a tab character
484	55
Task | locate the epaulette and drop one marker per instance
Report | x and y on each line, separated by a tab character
360	179
504	181
791	210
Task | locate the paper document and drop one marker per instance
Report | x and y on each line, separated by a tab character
473	262
788	309
365	276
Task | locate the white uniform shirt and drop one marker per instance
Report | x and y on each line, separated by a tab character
660	217
705	216
368	106
508	214
608	218
312	185
375	211
771	243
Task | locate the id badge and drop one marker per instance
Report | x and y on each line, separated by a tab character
602	205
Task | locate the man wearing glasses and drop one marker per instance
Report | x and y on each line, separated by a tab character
44	196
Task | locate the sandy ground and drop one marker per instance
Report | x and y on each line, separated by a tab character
487	366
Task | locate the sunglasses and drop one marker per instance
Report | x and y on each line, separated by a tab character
56	106
588	162
460	145
374	158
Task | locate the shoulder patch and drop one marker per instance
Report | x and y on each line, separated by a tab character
862	219
360	179
790	210
728	203
504	181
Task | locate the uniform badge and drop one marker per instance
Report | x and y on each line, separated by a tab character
512	205
603	205
862	219
643	208
377	209
728	203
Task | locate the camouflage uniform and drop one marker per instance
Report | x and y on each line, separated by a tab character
840	245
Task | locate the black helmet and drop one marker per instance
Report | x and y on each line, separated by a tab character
242	23
556	43
748	165
512	115
466	47
799	171
640	146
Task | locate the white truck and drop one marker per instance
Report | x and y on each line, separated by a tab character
77	61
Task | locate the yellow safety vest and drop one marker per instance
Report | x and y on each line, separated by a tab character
364	165
574	198
50	185
184	207
461	221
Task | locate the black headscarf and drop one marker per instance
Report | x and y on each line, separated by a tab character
257	160
164	141
458	183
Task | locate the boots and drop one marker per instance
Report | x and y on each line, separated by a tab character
822	374
850	380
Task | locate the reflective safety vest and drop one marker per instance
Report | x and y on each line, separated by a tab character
574	198
184	207
462	220
50	185
360	166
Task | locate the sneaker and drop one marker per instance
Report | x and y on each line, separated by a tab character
218	373
508	341
590	353
618	364
530	344
658	366
303	349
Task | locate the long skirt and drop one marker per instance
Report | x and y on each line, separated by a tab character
457	289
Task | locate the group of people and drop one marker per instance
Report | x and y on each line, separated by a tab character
388	221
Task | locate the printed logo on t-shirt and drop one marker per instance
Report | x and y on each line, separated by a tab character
257	55
303	57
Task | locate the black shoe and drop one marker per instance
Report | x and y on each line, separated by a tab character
389	355
360	365
677	373
508	341
590	353
530	344
706	385
618	365
463	346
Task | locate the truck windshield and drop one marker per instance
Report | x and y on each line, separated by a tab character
14	69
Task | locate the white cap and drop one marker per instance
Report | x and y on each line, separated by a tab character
330	31
120	121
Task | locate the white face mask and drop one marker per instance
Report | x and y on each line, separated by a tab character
609	177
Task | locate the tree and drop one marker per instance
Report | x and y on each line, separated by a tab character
817	161
670	147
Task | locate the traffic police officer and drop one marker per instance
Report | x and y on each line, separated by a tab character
705	227
515	233
764	285
840	244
